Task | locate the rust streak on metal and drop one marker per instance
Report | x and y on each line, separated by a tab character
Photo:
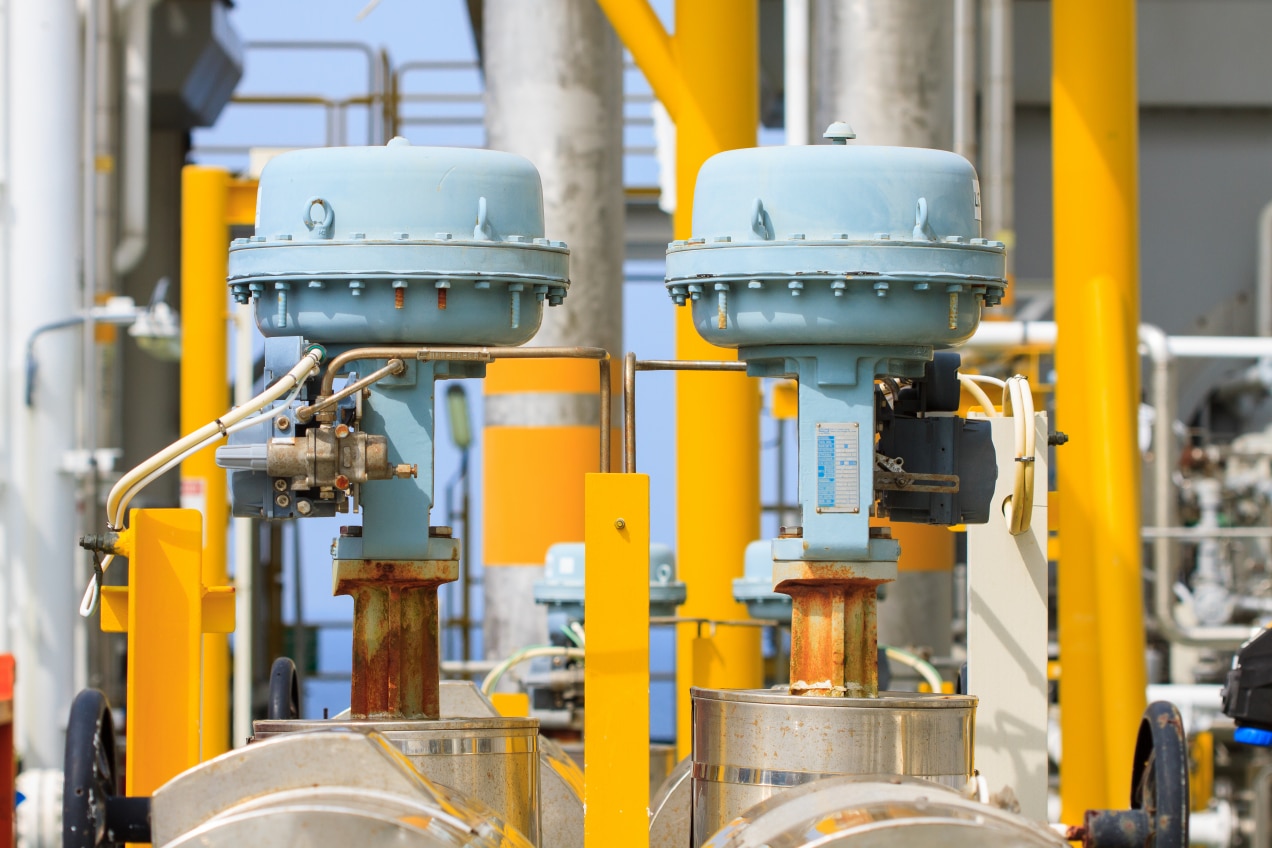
834	637
395	635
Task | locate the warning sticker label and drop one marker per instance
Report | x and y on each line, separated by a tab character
838	468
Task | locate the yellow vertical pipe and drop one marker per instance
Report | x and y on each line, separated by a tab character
205	396
1095	184
717	415
707	76
616	674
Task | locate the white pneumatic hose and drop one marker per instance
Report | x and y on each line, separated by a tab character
1019	507
122	493
968	382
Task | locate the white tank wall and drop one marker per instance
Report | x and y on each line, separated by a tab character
40	284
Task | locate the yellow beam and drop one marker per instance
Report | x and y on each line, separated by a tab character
205	395
708	78
166	609
240	209
616	672
1094	149
717	481
642	33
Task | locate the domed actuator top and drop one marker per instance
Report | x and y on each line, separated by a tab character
836	244
400	244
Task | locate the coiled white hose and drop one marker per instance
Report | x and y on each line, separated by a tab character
968	382
238	418
1018	510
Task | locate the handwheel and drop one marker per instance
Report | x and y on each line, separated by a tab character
89	778
284	690
1158	817
1159	777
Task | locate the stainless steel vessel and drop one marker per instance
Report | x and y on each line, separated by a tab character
856	812
493	760
323	790
749	744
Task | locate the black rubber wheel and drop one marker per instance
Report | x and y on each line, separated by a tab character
90	777
284	690
1159	777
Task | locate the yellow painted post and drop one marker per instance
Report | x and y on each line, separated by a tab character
707	76
1095	183
205	194
166	610
616	671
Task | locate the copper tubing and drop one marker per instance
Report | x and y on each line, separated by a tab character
393	368
630	366
482	354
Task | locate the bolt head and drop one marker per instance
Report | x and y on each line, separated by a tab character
280	485
342	482
283	501
304	507
282	423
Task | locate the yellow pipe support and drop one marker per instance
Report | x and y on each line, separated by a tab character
166	609
1094	149
717	415
616	672
205	195
708	81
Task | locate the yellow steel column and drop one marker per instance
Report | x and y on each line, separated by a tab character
707	76
205	396
1095	182
717	415
616	674
166	609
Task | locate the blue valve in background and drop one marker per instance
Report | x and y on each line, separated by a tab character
1253	736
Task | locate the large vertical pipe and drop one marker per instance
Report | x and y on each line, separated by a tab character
1094	127
797	35
205	240
887	68
998	119
41	216
964	105
554	94
717	415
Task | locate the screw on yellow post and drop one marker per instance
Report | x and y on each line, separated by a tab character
706	76
165	609
616	672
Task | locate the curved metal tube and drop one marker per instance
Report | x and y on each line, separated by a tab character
393	368
630	366
457	353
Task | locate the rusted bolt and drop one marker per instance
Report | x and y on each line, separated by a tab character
280	485
342	482
304	507
790	532
404	471
351	531
342	430
619	524
283	501
880	532
282	423
442	532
